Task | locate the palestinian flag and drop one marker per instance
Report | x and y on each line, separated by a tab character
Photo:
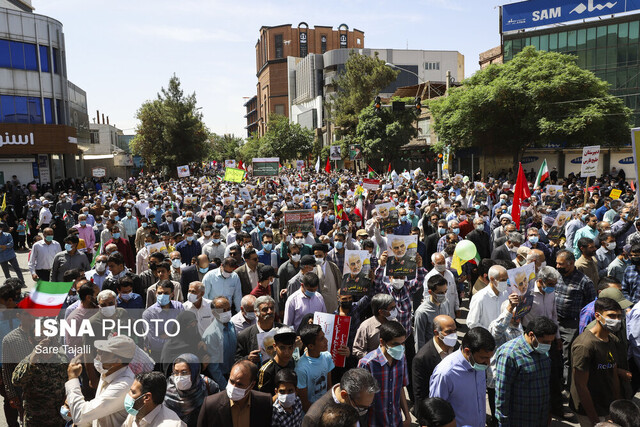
389	168
370	172
339	210
46	299
543	174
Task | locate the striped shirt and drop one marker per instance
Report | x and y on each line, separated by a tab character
572	293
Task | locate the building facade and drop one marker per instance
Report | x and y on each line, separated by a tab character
273	48
43	116
312	79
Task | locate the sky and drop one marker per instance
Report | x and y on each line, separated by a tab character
122	52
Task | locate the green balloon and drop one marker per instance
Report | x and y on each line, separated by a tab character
466	250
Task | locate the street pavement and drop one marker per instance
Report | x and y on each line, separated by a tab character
22	260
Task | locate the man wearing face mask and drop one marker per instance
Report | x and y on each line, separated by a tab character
440	269
589	230
189	248
444	341
199	305
246	317
485	305
460	378
43	253
434	305
221	341
144	402
431	242
100	271
239	405
480	238
107	408
454	228
509	250
85	232
216	247
224	281
305	300
404	228
196	272
329	275
595	382
631	278
267	255
159	314
69	259
522	394
587	263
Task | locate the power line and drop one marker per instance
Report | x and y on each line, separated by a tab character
594	99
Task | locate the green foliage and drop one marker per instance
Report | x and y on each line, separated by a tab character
171	132
363	78
250	149
286	140
224	147
536	98
382	133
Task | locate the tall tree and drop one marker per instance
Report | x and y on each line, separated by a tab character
362	79
224	146
382	133
536	98
286	140
171	131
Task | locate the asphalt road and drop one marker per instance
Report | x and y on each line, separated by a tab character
22	259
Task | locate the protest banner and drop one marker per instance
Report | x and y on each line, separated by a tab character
557	228
183	171
299	164
523	280
355	279
234	175
401	261
615	194
370	184
335	152
300	220
244	193
229	163
266	344
157	247
388	215
266	166
336	330
590	158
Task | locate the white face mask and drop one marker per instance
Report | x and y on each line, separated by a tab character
393	314
611	246
513	248
101	267
224	273
287	400
397	283
97	363
502	286
480	227
182	382
251	316
192	298
299	242
235	393
224	317
295	258
440	267
450	340
108	311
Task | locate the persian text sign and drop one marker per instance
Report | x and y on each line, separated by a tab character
590	158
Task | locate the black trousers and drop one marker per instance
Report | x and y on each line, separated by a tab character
44	274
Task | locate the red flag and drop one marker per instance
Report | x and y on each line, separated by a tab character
327	167
240	165
389	168
521	192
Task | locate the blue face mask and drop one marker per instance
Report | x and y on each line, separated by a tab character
339	245
83	223
442	231
533	239
310	294
203	270
216	241
163	299
403	218
117	218
396	352
549	289
477	366
261	224
190	238
144	225
332	217
455	230
267	247
68	247
48	238
542	348
64	413
129	402
116	235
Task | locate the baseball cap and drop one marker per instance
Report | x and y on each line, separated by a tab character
119	345
361	232
616	295
285	334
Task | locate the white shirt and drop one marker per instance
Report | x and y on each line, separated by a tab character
485	307
45	216
452	292
160	416
107	408
203	314
42	255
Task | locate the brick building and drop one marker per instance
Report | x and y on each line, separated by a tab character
272	49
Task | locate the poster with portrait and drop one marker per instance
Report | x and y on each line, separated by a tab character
355	273
299	164
522	281
401	260
244	193
388	215
266	344
557	229
183	171
553	196
335	153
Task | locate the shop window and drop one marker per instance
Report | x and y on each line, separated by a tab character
44	59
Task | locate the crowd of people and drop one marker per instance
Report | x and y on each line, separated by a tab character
235	294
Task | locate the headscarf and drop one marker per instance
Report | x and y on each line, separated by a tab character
186	403
185	342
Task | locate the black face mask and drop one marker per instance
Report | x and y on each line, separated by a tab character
562	271
346	305
635	260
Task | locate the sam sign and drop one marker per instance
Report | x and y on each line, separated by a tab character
528	14
590	158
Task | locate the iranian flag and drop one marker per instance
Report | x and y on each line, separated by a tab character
47	298
359	210
543	174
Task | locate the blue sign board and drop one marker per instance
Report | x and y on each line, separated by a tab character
536	13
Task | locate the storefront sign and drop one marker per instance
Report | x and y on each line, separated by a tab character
98	172
26	139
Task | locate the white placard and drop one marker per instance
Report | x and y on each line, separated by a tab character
590	158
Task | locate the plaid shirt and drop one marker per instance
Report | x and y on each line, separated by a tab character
402	296
587	315
631	284
386	410
572	293
282	418
522	384
336	257
442	243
